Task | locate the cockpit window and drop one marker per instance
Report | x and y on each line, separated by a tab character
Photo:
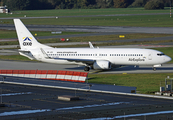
160	54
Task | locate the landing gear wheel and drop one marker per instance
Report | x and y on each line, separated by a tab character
86	69
154	68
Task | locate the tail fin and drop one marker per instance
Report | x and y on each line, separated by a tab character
26	39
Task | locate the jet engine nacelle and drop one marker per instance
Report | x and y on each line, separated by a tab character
101	64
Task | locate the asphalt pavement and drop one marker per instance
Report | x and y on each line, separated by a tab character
29	102
55	28
32	65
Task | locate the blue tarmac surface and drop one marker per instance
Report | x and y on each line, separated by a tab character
33	102
70	85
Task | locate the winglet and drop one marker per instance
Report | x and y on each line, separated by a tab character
91	45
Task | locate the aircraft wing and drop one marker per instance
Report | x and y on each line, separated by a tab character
86	61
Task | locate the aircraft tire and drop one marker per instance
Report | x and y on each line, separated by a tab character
154	68
86	69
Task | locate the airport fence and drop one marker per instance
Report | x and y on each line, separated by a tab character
48	74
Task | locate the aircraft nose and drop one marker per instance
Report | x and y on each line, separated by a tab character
167	59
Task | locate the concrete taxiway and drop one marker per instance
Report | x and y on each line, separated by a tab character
102	29
30	65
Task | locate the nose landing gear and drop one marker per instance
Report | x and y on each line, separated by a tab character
86	68
154	66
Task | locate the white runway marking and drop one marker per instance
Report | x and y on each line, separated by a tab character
131	115
68	108
22	112
9	94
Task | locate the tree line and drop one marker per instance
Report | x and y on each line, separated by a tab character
83	4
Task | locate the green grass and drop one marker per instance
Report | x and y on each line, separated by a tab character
14	57
12	34
4	34
74	12
116	37
142	21
139	20
8	34
145	83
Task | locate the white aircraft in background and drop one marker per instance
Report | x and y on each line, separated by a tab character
95	58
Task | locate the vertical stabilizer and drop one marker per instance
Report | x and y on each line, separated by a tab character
26	40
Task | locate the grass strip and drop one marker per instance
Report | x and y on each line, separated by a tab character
145	83
14	57
91	38
12	33
79	12
129	21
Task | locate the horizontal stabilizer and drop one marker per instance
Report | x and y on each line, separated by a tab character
23	51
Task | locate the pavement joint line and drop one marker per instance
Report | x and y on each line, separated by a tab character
98	91
49	101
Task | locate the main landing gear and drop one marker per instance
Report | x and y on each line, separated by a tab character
86	68
154	69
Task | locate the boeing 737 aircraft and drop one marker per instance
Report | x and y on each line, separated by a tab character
95	58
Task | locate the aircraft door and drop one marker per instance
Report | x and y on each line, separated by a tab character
150	56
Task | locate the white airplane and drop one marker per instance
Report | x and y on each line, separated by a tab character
95	58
